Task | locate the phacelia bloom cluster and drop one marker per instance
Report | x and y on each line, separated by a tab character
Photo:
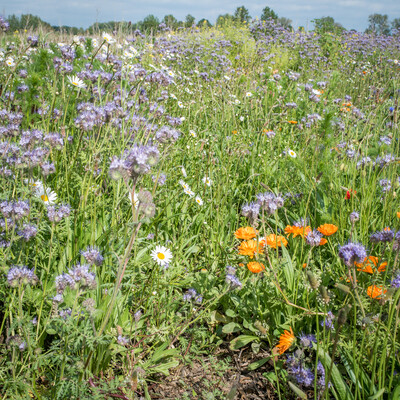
134	162
4	25
384	236
191	294
352	252
307	340
270	202
57	213
28	231
328	320
251	211
93	256
14	209
314	238
77	278
354	216
167	135
21	275
232	279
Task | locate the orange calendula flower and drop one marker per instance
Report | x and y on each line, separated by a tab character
328	229
323	241
398	214
255	267
250	248
274	241
246	233
297	230
370	265
292	122
375	292
285	341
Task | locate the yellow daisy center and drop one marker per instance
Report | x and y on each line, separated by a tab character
161	256
44	197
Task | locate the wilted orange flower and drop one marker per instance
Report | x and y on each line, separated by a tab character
369	265
250	248
285	341
375	292
297	230
328	229
246	233
323	241
274	241
255	267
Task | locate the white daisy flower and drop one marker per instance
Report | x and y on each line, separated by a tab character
47	196
237	101
199	201
249	94
193	133
241	118
189	192
95	43
135	201
161	255
108	38
10	62
292	153
173	96
77	82
37	186
184	172
207	181
180	104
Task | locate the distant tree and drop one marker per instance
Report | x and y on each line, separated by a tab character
285	22
27	21
242	15
224	19
327	24
189	20
268	13
378	24
150	23
170	21
396	24
204	23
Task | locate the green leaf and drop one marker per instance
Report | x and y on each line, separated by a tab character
51	331
231	327
377	395
298	391
230	313
336	378
242	341
257	364
396	393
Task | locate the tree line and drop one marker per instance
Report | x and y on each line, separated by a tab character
378	24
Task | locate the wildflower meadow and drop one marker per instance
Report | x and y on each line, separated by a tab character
223	193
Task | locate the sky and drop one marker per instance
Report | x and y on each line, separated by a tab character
352	14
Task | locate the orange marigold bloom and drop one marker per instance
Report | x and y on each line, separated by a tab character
274	241
323	241
328	229
250	248
246	233
292	122
398	214
369	265
255	267
297	230
285	341
375	292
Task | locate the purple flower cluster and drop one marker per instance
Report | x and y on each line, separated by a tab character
93	256
385	236
314	238
4	25
232	279
135	162
328	320
270	202
57	213
167	135
352	252
21	275
77	278
14	209
28	231
191	294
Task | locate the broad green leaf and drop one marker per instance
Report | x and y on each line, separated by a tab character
377	395
297	390
257	364
231	327
242	341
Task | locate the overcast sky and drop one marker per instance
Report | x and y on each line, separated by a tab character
350	13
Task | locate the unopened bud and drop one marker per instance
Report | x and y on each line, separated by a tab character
342	316
324	294
345	289
145	196
313	281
